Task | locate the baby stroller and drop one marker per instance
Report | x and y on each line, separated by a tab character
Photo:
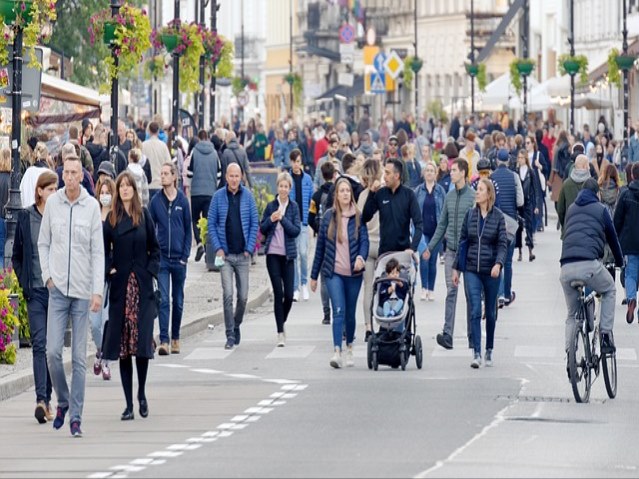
395	339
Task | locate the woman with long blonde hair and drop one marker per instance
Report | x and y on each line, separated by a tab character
340	255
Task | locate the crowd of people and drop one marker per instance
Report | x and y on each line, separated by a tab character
469	193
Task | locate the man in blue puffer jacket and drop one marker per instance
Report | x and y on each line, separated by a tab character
171	214
232	228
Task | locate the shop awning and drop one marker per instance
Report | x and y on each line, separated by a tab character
346	91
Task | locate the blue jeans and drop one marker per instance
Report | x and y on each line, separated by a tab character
632	270
172	276
505	285
428	269
61	309
475	285
392	307
234	265
343	291
301	262
37	311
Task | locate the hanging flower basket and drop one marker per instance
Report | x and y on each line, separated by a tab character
32	17
517	68
573	66
472	69
130	39
416	64
189	48
525	68
289	78
625	62
169	41
213	44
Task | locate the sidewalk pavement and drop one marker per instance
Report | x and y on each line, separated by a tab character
202	309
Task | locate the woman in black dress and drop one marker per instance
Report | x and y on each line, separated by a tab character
133	262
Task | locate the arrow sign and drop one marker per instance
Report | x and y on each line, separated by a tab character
379	61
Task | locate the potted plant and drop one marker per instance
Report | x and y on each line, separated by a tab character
8	326
184	40
213	45
238	84
520	67
472	69
616	63
130	40
573	65
9	282
32	16
154	68
224	65
295	82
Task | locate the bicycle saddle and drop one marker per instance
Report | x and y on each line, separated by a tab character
577	283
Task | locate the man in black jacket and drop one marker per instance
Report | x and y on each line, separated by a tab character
588	228
397	206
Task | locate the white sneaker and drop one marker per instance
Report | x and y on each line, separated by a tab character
281	340
336	360
424	295
296	296
431	296
305	292
350	362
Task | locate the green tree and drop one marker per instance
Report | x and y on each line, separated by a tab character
70	35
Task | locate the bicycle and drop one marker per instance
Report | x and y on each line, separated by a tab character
584	356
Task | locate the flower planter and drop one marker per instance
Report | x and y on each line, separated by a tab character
525	69
8	9
109	32
14	302
625	62
170	42
571	67
416	65
472	70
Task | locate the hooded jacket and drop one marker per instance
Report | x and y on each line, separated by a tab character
204	165
235	154
571	187
71	245
141	182
627	219
587	229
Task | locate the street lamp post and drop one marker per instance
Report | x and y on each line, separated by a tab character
290	51
525	54
200	110
214	8
115	88
624	150
572	75
176	77
242	59
416	73
14	205
472	55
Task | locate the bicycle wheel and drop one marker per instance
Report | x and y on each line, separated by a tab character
578	368
609	363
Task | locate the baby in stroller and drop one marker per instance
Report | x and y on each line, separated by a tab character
392	294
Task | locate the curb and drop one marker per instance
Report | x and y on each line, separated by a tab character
21	381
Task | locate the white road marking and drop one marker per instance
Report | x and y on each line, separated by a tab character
626	354
172	365
208	353
242	376
460	352
536	352
165	454
290	352
128	468
100	475
207	371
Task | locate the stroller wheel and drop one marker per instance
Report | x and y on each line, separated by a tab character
419	352
403	357
369	354
374	362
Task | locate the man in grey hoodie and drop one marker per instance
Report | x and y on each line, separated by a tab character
71	224
571	188
203	171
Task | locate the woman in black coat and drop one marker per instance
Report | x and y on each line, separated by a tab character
133	262
281	226
484	233
531	186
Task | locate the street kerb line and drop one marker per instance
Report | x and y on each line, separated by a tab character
236	423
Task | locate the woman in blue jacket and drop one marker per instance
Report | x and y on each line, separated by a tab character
340	255
484	231
281	226
430	197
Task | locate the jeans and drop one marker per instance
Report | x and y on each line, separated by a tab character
281	272
37	311
632	270
301	262
326	299
597	278
505	285
451	297
428	269
98	320
476	284
234	265
392	307
343	291
199	206
172	276
61	309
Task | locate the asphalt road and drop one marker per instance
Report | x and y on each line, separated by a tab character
262	411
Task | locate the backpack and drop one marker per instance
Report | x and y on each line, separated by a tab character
321	209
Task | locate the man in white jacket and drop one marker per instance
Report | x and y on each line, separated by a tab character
71	249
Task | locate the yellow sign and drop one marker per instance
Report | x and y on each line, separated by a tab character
369	54
394	64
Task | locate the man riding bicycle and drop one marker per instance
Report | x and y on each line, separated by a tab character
587	228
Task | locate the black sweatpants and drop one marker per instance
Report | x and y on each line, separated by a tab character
282	273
